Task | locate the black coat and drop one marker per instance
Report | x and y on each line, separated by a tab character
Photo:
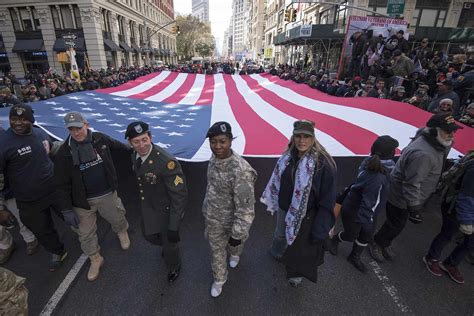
68	178
163	191
306	253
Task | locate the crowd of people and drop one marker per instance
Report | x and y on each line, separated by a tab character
436	85
41	86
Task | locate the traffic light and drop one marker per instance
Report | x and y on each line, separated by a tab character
293	15
287	15
175	29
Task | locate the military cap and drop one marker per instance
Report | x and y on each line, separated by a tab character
135	129
303	127
219	128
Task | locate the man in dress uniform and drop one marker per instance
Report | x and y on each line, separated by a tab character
163	193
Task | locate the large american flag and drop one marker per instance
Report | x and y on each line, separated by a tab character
261	109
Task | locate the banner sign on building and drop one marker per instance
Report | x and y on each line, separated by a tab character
305	30
370	27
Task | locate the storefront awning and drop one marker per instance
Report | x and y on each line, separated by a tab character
60	46
136	48
30	45
125	47
109	45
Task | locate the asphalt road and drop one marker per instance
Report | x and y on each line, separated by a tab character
134	282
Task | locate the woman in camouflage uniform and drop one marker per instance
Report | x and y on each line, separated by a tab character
228	205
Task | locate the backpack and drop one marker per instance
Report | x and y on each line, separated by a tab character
448	185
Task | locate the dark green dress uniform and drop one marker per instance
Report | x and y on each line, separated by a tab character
163	196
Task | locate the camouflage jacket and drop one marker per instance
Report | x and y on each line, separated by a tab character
230	197
13	294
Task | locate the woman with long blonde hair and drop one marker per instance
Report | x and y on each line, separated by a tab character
302	190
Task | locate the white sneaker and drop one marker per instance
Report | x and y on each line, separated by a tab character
216	288
234	261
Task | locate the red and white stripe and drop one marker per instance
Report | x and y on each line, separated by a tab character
262	108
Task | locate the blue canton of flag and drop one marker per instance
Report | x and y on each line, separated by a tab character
180	129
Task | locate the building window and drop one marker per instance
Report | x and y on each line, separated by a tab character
467	15
36	19
66	14
415	17
429	17
26	20
325	17
15	20
441	18
77	17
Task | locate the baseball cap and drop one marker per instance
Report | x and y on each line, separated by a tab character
22	110
303	127
384	146
74	119
219	128
445	121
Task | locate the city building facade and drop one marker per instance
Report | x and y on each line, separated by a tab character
200	9
36	34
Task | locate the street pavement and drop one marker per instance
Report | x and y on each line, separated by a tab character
134	282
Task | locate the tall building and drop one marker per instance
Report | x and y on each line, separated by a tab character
239	29
35	35
256	25
200	9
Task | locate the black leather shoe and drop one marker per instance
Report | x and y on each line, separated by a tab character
173	275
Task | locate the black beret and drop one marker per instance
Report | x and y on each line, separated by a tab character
135	129
219	128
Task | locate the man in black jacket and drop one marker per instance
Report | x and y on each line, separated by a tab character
87	183
163	194
26	167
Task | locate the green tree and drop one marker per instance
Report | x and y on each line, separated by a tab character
195	38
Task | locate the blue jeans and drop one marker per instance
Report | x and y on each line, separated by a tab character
279	239
448	231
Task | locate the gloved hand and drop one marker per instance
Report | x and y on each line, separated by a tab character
71	218
234	242
414	214
173	236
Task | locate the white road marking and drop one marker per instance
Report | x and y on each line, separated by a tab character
391	290
63	287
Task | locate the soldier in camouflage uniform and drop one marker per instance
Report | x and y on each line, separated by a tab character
13	294
228	205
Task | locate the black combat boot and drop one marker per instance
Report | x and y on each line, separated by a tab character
354	258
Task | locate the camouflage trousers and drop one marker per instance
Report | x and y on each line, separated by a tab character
218	236
13	294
